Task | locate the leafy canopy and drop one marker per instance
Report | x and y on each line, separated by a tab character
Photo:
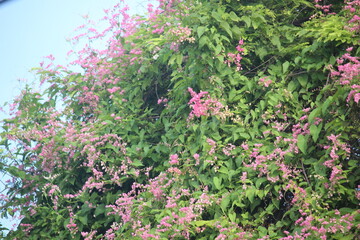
201	120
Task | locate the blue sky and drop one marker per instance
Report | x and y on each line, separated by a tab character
33	29
30	30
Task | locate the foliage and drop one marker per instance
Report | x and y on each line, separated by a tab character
216	119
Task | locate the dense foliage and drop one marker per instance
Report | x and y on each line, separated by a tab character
205	119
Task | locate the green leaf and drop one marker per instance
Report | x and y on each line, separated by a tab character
247	20
250	194
137	162
238	32
303	80
218	49
216	15
203	40
224	25
224	170
309	161
262	231
285	66
259	181
179	59
302	143
232	216
209	223
217	182
232	94
326	104
292	86
99	210
172	59
346	210
314	131
275	40
16	172
225	203
200	31
83	219
245	135
314	113
234	17
261	52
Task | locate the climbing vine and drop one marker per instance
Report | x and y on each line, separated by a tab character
216	119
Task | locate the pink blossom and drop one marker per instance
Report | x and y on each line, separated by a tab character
197	158
243	177
245	146
238	47
357	97
163	222
212	143
227	150
201	106
181	34
162	100
174	159
174	170
265	81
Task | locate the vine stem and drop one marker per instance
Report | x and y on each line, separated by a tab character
304	171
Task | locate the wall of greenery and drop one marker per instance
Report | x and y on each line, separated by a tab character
204	119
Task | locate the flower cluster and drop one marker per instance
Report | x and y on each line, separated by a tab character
120	161
203	105
181	34
348	74
336	171
325	7
236	58
265	81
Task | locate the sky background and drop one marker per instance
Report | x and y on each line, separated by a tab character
31	30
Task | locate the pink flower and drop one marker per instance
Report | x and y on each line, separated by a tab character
357	97
174	170
162	100
265	81
112	90
174	159
197	159
245	146
201	106
355	19
243	177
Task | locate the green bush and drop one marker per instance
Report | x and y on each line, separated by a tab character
202	120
